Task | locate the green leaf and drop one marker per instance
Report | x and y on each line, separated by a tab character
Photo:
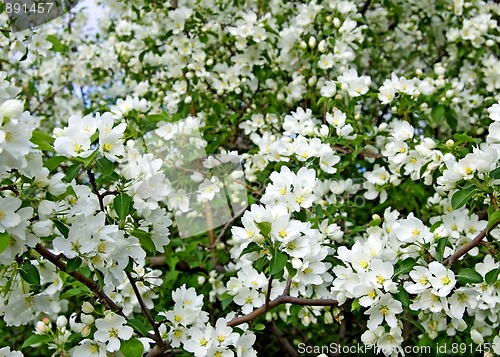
34	339
145	240
87	162
72	172
469	276
138	325
291	270
495	173
437	113
403	296
405	266
73	264
460	198
74	292
265	227
493	220
226	301
463	138
43	140
492	276
252	247
451	119
259	327
52	163
441	247
122	205
355	305
278	262
260	264
4	241
57	45
105	166
30	273
61	227
132	348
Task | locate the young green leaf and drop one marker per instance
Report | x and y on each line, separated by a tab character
105	166
122	205
469	276
277	263
34	339
265	227
73	264
405	266
145	240
492	276
52	163
4	241
460	198
493	220
251	247
132	348
355	305
437	113
30	273
138	325
495	174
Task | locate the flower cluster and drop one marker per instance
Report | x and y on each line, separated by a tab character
188	325
363	137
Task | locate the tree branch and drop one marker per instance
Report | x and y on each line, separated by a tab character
282	299
466	248
284	343
362	11
91	284
363	153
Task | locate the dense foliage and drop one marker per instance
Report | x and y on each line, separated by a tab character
366	134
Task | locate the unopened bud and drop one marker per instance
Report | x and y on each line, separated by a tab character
61	321
328	317
41	328
450	143
86	331
312	41
87	308
87	319
322	46
11	108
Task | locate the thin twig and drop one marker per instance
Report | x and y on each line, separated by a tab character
145	310
12	188
94	187
226	226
